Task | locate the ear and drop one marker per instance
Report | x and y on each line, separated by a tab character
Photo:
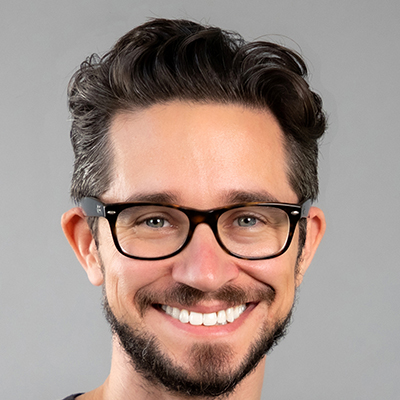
315	231
82	242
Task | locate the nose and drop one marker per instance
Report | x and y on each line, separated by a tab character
203	264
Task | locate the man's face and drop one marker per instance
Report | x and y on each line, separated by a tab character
198	156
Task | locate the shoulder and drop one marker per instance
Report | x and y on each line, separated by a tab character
73	396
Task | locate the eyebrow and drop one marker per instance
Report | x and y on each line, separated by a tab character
240	196
158	197
230	197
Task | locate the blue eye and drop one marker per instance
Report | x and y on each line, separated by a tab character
247	221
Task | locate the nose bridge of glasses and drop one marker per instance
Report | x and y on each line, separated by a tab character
198	217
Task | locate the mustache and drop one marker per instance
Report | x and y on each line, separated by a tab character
189	296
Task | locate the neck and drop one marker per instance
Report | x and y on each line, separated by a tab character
125	383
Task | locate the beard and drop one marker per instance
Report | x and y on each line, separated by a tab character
212	362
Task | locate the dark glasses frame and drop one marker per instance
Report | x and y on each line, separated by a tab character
93	207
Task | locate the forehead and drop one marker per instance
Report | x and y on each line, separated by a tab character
198	153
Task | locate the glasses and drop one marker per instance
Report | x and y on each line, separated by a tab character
152	231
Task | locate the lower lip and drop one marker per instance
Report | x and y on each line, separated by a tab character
209	330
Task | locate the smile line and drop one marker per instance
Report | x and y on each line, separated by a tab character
221	317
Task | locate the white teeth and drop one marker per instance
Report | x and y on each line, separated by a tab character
175	313
229	315
210	319
221	317
196	318
184	316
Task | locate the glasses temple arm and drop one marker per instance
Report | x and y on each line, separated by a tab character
93	207
305	208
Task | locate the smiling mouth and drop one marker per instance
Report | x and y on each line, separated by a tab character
221	317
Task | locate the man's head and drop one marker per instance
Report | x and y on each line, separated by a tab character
188	117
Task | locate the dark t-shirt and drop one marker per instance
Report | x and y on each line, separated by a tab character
73	396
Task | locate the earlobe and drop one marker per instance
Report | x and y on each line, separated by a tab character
316	226
81	240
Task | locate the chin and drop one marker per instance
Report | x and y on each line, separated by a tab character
209	369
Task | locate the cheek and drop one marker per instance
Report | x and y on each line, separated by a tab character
125	276
279	273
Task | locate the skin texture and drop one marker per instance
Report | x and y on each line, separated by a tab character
202	156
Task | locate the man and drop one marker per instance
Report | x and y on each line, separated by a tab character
195	169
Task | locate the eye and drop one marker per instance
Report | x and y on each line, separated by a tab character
247	219
157	222
246	222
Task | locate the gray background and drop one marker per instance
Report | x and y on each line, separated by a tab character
344	342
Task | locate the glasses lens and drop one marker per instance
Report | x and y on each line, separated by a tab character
254	231
151	231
